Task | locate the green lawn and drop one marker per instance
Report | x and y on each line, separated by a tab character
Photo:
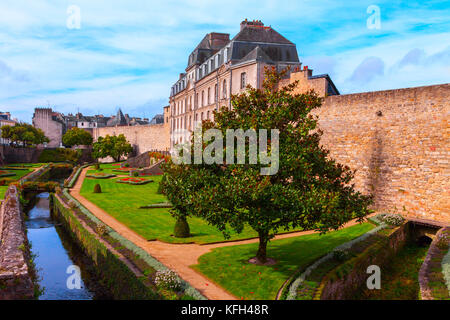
122	201
19	174
228	266
107	168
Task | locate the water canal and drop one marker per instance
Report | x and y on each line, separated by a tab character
55	253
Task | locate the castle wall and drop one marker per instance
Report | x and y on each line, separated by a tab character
143	138
399	143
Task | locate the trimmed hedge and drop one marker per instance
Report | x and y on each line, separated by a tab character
59	155
101	175
152	262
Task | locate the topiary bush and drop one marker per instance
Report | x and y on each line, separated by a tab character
97	166
97	188
182	229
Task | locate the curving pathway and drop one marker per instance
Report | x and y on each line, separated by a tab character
177	257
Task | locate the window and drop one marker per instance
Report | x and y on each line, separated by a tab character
209	95
201	117
243	80
215	93
224	89
190	102
203	98
207	115
196	100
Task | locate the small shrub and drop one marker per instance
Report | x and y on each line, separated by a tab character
126	165
72	204
393	219
97	188
161	184
101	229
97	166
181	229
167	280
340	255
136	174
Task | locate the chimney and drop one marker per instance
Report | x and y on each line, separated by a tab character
252	24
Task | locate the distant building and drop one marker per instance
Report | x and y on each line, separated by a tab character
55	124
6	120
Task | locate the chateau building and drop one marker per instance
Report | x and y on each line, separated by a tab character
219	67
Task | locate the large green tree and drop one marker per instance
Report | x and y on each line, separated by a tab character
24	134
309	190
77	137
111	146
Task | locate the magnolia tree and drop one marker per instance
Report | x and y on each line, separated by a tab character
303	188
111	146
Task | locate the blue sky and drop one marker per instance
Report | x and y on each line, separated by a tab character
128	53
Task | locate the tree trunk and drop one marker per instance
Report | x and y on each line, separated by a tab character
261	255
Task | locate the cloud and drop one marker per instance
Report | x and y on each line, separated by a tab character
129	52
367	70
414	57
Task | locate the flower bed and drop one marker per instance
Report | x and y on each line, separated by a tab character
123	170
100	175
150	174
134	181
4	173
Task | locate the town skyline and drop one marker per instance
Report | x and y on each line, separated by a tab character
129	56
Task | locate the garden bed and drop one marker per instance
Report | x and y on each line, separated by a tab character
134	181
100	175
4	173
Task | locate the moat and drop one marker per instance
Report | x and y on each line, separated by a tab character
54	253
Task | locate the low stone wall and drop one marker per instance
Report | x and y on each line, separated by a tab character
20	155
342	282
15	275
438	248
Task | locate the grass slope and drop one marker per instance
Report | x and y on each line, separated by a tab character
228	266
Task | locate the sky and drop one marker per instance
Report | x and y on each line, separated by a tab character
96	56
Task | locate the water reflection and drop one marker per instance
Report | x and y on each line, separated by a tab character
53	258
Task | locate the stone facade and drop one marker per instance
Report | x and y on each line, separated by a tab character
143	138
46	120
398	141
219	67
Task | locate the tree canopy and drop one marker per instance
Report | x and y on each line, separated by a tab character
24	134
309	190
77	137
111	146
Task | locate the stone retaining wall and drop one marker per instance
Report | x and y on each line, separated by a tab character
15	275
342	282
434	255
